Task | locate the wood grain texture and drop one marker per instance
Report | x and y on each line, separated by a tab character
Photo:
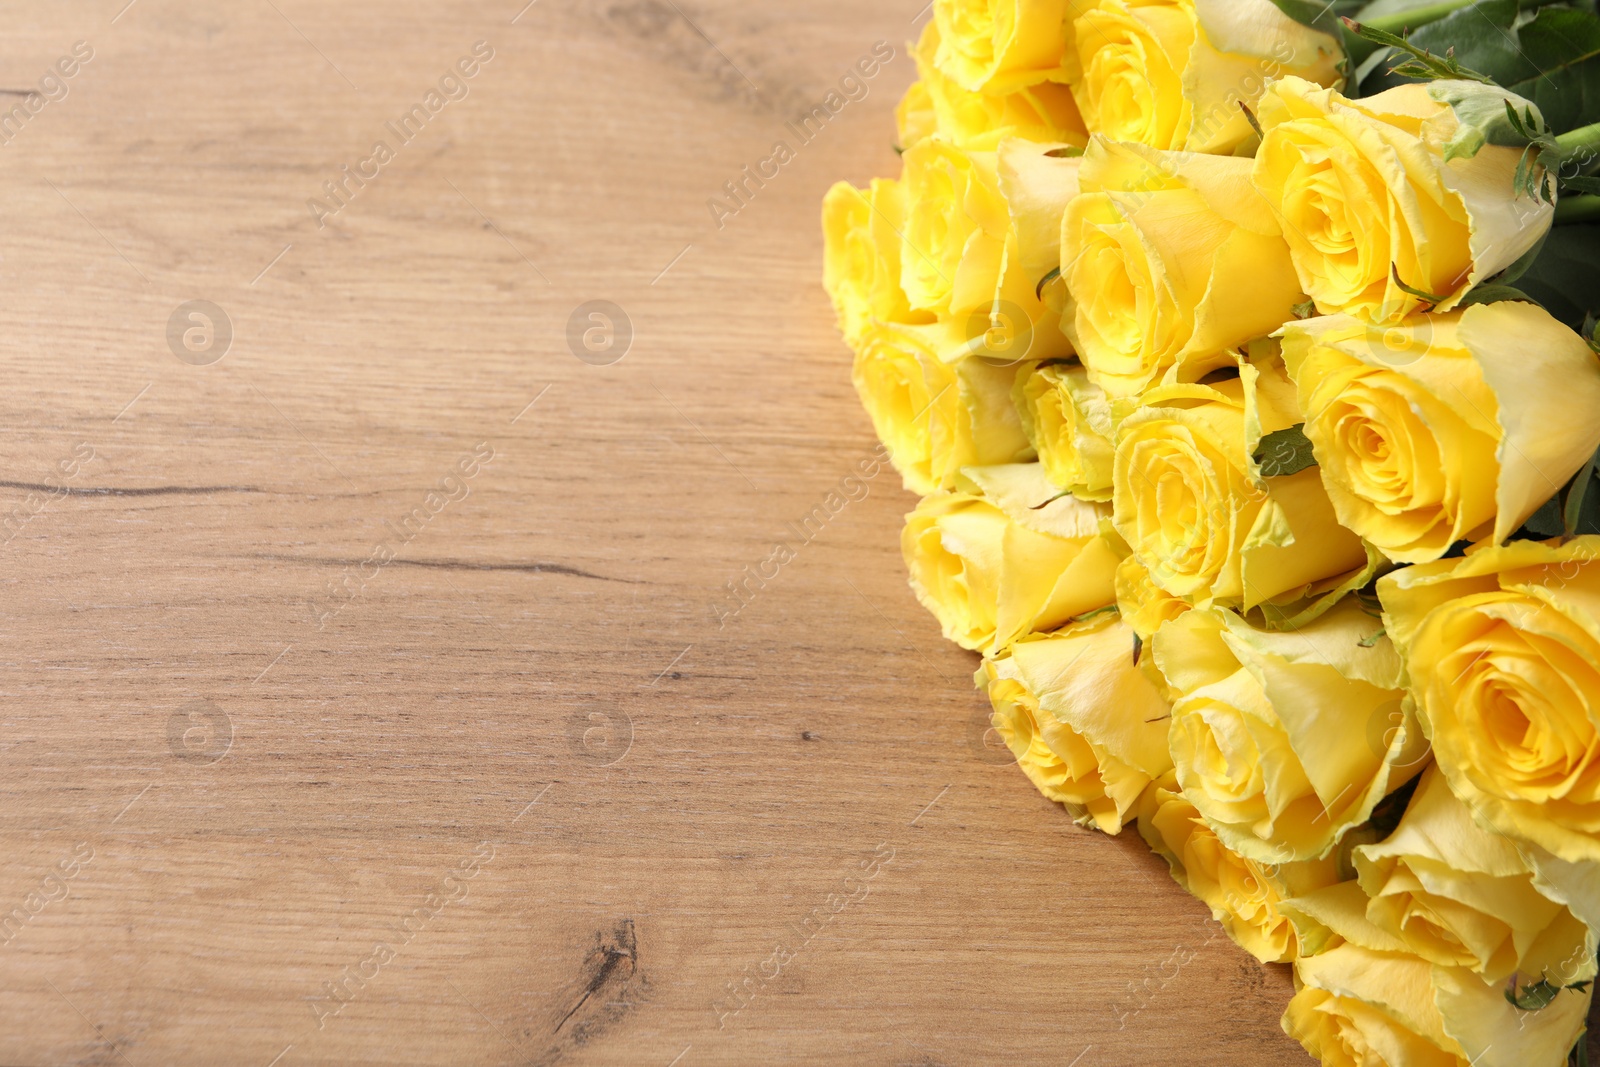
657	798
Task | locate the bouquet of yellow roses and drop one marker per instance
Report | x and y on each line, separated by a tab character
1243	354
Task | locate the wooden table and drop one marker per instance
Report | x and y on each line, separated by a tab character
373	690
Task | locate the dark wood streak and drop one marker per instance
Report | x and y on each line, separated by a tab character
452	565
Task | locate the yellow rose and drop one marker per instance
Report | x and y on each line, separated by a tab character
1144	605
1503	649
992	567
999	46
1173	260
1191	503
1068	420
1367	189
1243	895
1461	896
1172	74
1360	1008
1085	724
1044	111
1442	428
1365	999
861	256
933	416
1284	741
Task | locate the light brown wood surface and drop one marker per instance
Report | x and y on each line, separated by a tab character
703	786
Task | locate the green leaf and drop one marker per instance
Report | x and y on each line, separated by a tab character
1319	14
1580	184
1573	514
1432	298
1064	152
1285	452
1565	277
1535	997
1561	50
1491	294
1368	642
1038	292
1096	613
1386	816
1546	522
1551	57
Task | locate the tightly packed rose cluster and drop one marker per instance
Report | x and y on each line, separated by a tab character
1242	360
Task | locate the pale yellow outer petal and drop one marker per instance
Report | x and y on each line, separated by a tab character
1243	895
914	115
1459	895
991	580
933	414
1286	740
1386	1000
1095	786
1085	676
1547	383
1037	189
1492	1033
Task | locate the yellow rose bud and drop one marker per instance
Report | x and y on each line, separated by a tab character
1503	650
1043	111
1461	896
933	416
1145	605
992	567
1068	419
1365	998
1085	724
861	256
1442	428
999	46
1366	190
1172	74
1191	503
1173	260
1284	741
1243	895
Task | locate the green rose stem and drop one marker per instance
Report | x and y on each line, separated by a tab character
1578	209
1582	143
1418	16
1582	146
